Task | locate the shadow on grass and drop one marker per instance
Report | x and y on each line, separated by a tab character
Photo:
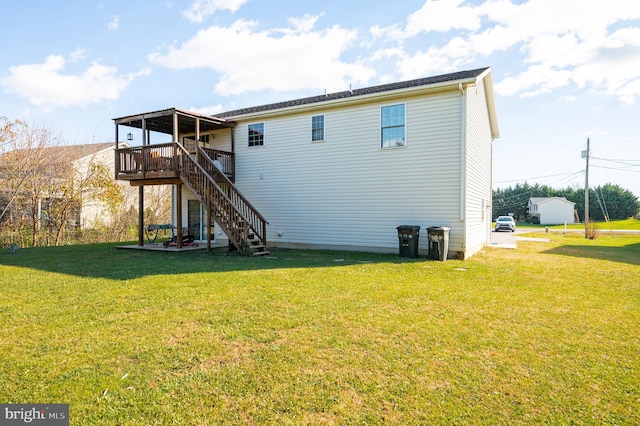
626	254
105	261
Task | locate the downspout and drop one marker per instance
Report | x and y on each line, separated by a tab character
463	162
463	153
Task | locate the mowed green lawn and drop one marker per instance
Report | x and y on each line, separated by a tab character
630	224
545	334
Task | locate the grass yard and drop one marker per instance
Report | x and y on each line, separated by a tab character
545	334
630	224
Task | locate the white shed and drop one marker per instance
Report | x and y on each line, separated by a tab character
552	210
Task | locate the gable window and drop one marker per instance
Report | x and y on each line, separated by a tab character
317	128
393	121
256	134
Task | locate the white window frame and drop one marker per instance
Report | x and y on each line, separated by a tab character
249	134
324	128
404	127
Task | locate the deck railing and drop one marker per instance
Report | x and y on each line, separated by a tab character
209	174
226	159
141	161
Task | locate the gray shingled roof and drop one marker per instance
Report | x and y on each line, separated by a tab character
66	153
539	200
76	152
461	75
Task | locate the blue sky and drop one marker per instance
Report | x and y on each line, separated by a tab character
563	70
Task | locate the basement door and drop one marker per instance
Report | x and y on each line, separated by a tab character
195	219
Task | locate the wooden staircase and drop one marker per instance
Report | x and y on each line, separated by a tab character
238	219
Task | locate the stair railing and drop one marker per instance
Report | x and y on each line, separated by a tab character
256	222
229	215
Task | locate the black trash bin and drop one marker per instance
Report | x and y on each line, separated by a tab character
408	236
438	237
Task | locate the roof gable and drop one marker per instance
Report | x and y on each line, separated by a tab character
543	200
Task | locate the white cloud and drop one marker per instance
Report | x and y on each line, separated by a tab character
442	16
283	59
77	55
208	110
536	80
200	9
304	24
561	43
46	86
114	24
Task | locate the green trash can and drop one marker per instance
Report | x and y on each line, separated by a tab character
438	237
408	236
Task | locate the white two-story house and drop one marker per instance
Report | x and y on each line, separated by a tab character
335	171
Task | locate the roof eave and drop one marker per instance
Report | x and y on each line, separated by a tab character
491	106
431	88
165	124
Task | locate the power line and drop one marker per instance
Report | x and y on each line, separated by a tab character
625	162
621	169
615	160
541	177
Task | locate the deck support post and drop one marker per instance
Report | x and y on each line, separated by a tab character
117	156
141	215
179	216
209	225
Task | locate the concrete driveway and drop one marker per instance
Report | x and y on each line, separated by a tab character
509	239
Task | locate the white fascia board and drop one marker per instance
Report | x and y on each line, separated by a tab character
413	91
491	106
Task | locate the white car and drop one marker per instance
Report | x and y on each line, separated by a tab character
505	222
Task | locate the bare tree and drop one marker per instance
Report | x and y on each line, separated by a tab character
48	189
26	175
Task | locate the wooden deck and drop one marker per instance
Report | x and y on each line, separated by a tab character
208	174
160	164
172	249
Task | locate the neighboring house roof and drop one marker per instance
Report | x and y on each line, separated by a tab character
69	152
542	200
462	77
59	158
76	152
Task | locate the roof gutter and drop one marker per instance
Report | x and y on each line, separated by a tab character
431	88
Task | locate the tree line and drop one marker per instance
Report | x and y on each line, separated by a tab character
43	190
608	200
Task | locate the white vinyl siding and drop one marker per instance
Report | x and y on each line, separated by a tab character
221	140
555	211
477	170
351	193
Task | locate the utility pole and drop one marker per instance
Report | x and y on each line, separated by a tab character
585	154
